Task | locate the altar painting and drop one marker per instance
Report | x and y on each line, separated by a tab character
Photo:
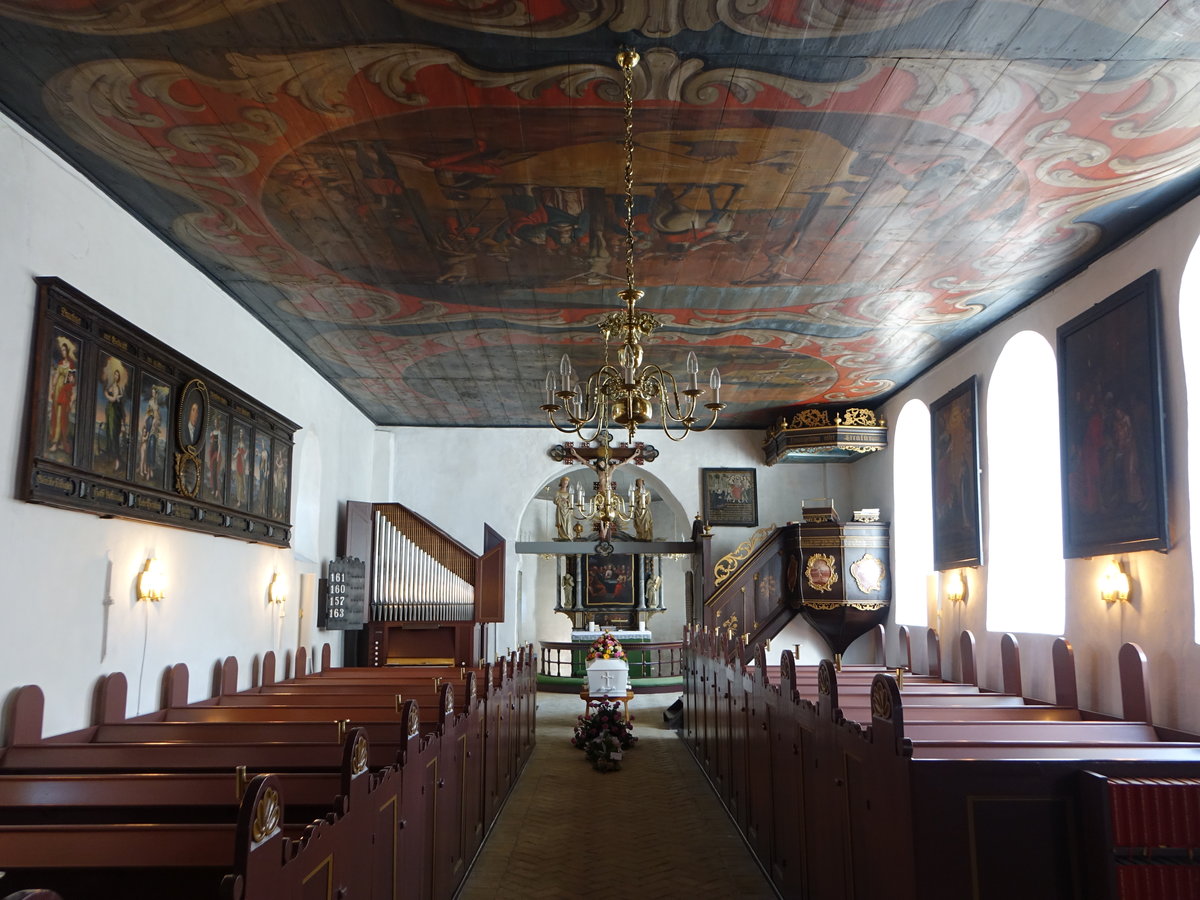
610	581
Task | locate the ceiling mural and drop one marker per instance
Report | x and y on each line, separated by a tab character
425	199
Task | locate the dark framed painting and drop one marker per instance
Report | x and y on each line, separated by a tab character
610	580
193	415
62	398
241	461
119	424
957	513
153	418
216	455
729	496
1113	435
262	474
281	467
111	425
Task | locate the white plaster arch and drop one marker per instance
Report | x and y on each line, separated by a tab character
537	519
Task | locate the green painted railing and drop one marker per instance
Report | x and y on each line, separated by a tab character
646	660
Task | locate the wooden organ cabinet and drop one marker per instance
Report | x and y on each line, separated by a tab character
428	596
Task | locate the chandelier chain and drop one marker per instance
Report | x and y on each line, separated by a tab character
627	70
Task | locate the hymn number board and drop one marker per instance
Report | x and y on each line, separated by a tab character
345	603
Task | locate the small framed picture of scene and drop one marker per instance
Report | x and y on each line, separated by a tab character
1112	434
730	496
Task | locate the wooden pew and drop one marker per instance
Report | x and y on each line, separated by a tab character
456	800
804	761
432	778
138	836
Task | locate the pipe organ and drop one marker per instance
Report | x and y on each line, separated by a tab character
429	595
412	584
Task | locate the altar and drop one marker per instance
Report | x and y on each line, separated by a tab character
623	635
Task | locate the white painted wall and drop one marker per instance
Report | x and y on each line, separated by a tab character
1161	616
57	631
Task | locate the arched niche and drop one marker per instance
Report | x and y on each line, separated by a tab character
541	575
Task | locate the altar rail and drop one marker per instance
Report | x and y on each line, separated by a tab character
945	791
656	660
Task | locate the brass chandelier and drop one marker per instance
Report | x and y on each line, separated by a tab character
625	394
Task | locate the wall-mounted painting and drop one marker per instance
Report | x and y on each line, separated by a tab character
108	404
216	455
1113	441
730	496
153	426
610	580
957	520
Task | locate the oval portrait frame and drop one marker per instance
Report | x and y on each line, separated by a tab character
188	434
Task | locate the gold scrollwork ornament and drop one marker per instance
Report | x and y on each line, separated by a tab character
187	473
881	700
820	572
358	756
267	813
823	605
728	564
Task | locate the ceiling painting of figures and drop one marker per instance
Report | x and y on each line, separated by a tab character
425	199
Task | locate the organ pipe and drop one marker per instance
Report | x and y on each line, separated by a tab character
418	575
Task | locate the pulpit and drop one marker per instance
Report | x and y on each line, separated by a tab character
845	584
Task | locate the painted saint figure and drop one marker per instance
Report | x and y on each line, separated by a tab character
239	470
112	428
63	377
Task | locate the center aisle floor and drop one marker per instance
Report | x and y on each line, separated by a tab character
653	829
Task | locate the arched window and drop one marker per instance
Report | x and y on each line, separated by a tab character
1189	331
1026	589
912	514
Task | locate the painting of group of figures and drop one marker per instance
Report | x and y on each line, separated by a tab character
111	404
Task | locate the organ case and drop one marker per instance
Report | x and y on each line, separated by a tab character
428	595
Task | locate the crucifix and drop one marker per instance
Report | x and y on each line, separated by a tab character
606	509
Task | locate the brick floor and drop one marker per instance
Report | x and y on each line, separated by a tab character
653	829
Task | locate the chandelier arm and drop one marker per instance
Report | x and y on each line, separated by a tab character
690	429
669	391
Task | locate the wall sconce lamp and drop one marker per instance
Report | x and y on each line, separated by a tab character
151	581
1114	583
275	591
955	586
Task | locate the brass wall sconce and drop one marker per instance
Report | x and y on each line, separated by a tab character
275	591
1114	583
151	581
954	586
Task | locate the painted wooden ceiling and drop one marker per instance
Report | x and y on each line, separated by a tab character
424	197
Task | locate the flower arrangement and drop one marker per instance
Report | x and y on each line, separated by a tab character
606	647
603	735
